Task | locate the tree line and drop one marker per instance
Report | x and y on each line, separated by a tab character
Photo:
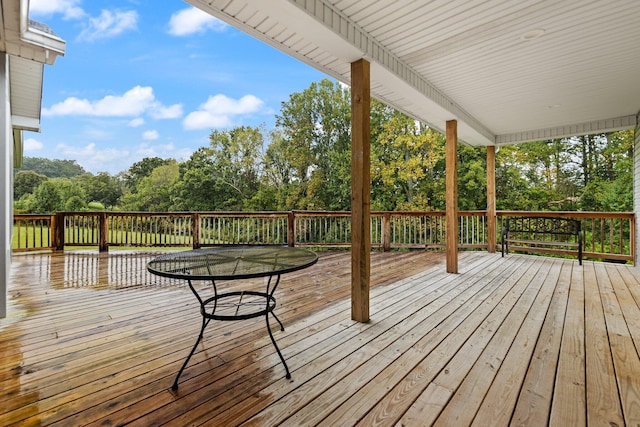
305	163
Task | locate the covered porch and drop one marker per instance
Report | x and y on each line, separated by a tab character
93	339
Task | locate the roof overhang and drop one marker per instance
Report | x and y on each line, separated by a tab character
507	72
29	45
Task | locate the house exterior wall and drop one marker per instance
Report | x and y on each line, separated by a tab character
6	190
636	180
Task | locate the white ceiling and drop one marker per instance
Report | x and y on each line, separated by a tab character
469	60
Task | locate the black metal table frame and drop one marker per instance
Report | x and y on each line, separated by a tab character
216	300
208	306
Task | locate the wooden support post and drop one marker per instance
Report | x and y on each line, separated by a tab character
103	235
386	231
452	195
58	241
291	229
360	189
491	199
195	231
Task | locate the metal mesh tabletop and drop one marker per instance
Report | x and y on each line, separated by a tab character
232	262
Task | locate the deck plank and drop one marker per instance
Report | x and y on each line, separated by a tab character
94	339
534	401
501	399
568	405
603	401
623	351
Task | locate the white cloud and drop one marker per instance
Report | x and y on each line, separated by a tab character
159	111
219	111
146	150
192	21
113	160
137	122
150	135
31	144
133	103
109	24
68	8
94	159
165	151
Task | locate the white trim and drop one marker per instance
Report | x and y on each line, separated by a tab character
25	123
598	126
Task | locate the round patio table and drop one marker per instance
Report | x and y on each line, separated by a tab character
233	263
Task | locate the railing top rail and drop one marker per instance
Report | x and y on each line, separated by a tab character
33	216
568	214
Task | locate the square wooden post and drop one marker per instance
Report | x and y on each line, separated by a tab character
491	199
103	235
360	190
452	195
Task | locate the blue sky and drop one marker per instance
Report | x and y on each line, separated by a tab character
145	78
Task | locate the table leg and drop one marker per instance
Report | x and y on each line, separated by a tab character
205	322
273	340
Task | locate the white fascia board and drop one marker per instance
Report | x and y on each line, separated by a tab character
598	126
52	45
25	123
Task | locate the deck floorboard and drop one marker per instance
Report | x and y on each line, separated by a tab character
94	339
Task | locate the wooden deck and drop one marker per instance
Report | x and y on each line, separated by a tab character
522	340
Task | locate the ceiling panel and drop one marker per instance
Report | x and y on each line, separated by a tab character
476	61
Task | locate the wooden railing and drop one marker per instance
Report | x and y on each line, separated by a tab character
33	232
607	235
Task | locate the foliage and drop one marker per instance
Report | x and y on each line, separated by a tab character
314	149
51	168
25	182
75	204
153	192
404	159
102	188
47	198
142	169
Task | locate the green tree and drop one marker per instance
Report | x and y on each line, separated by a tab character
102	188
196	187
405	155
142	169
237	164
25	182
68	189
153	192
75	204
279	175
610	186
315	124
51	168
472	177
47	198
